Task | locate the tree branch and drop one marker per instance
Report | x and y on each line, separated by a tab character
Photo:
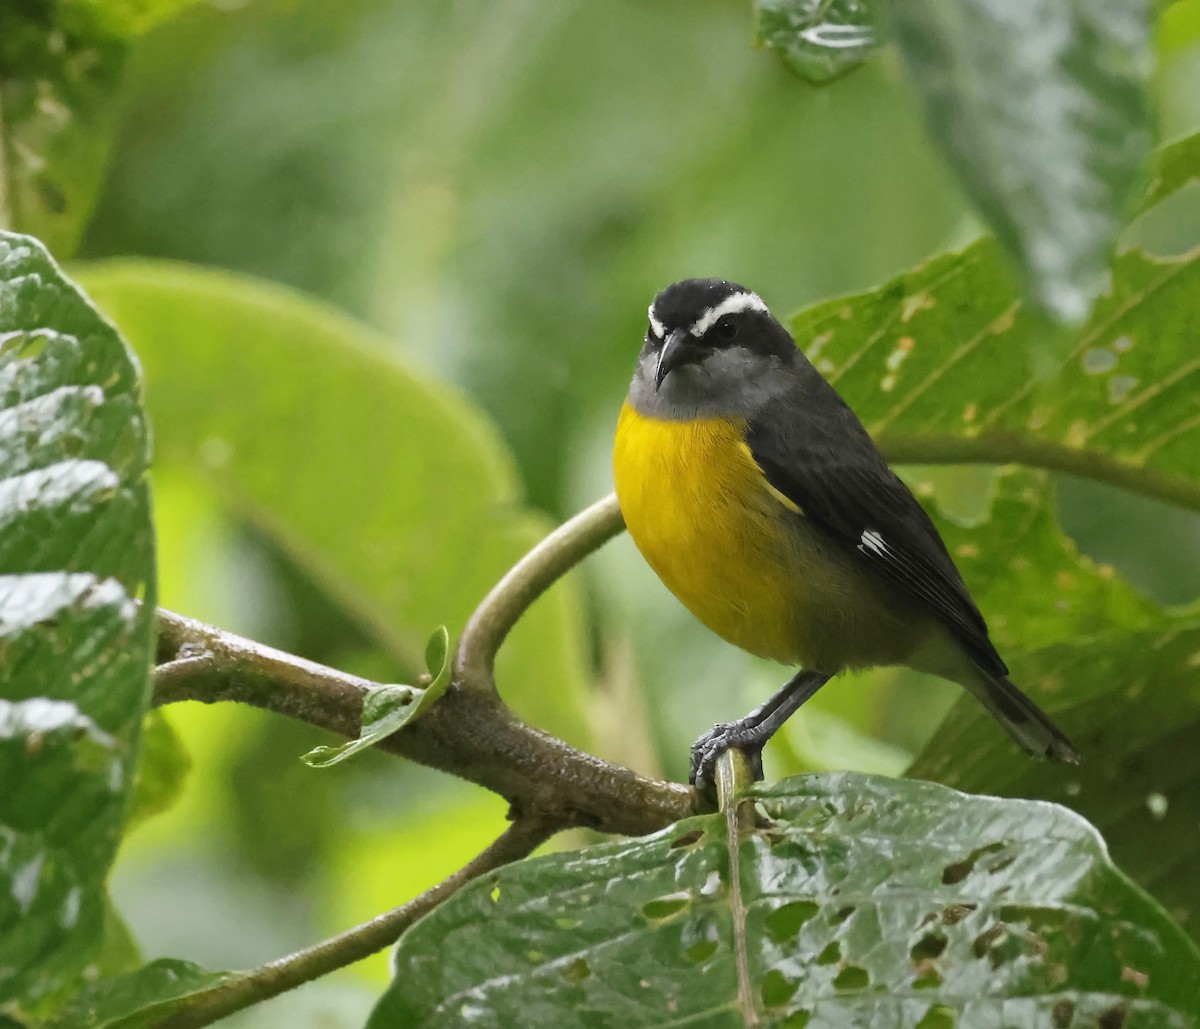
566	546
468	732
243	990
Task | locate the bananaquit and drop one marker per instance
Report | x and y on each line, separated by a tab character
762	503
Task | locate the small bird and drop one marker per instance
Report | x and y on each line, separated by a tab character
759	499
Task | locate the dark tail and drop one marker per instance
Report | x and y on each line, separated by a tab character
1024	721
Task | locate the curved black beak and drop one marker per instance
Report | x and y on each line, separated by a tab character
676	351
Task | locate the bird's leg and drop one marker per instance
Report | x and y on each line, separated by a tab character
751	733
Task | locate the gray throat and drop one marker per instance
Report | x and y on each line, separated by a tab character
728	384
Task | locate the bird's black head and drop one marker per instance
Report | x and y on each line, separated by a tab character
693	320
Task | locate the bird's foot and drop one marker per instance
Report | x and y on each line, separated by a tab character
744	735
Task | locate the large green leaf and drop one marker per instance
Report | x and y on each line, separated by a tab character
387	487
1115	670
1132	700
934	363
1029	578
76	557
862	901
60	64
1042	108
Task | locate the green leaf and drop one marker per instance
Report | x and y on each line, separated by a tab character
1175	165
1132	701
139	999
1042	110
385	710
437	662
1029	578
162	769
349	460
863	901
76	556
390	708
933	363
818	39
60	64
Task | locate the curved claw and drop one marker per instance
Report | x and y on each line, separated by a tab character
713	744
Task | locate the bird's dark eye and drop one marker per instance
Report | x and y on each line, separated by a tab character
726	328
650	332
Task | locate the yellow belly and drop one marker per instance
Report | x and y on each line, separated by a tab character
708	523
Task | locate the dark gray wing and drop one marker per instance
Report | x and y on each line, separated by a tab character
815	451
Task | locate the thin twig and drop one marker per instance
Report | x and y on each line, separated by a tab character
243	990
555	555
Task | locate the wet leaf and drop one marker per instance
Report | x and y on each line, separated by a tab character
1042	109
863	901
933	362
76	556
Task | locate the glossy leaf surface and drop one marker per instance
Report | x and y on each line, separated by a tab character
77	594
861	901
1042	109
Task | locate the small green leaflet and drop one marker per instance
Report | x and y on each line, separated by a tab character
390	708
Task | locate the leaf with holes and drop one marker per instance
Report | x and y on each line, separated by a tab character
861	901
1132	701
818	39
934	365
1042	109
76	556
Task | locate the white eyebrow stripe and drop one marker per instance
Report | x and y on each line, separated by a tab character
730	305
656	326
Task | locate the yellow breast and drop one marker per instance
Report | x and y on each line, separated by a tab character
707	521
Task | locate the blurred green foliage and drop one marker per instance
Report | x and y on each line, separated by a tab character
497	189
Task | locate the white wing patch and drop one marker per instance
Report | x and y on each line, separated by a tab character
730	305
873	542
656	326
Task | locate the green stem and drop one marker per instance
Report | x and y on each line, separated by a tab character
243	990
565	547
1014	448
734	779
